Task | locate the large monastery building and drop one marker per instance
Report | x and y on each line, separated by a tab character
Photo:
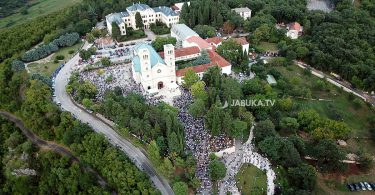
149	16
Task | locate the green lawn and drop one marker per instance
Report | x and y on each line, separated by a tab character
339	104
38	8
251	180
266	46
48	68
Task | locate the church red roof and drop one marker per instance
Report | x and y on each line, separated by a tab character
202	44
216	60
295	26
183	51
214	40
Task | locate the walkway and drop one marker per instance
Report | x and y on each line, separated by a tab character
54	147
245	154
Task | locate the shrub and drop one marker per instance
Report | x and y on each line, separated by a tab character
60	57
71	51
45	50
17	65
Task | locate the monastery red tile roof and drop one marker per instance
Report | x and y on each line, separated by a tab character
216	60
175	8
295	26
202	44
183	51
215	40
241	41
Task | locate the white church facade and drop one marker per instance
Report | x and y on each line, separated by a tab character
151	71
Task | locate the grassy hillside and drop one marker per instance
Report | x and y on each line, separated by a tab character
37	8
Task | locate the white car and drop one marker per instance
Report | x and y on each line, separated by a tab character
367	185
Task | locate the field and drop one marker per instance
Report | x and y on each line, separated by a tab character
336	103
38	8
251	180
266	46
49	67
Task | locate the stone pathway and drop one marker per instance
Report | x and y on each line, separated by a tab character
245	154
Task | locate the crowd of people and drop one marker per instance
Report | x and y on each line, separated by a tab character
197	139
110	77
220	142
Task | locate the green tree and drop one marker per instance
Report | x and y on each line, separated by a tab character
238	128
167	168
263	130
303	176
159	42
87	103
328	155
139	21
231	51
180	188
116	32
217	170
106	61
198	90
280	151
190	78
197	109
154	152
289	124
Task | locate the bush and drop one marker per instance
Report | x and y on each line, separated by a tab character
71	51
60	57
17	65
56	61
45	50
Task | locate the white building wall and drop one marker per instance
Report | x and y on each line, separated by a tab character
293	34
245	48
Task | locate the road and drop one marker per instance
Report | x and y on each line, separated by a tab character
99	126
55	147
346	86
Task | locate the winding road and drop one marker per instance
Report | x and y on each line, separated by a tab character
101	126
55	147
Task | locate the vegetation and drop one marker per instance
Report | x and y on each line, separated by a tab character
42	51
251	180
55	174
205	31
159	42
17	12
46	67
160	28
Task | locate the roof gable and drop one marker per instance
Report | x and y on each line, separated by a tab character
154	56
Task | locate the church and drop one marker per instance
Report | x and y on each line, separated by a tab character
151	71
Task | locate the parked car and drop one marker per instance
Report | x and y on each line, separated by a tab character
350	187
363	187
357	186
367	185
372	185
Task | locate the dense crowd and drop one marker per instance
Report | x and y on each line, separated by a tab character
198	140
110	77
